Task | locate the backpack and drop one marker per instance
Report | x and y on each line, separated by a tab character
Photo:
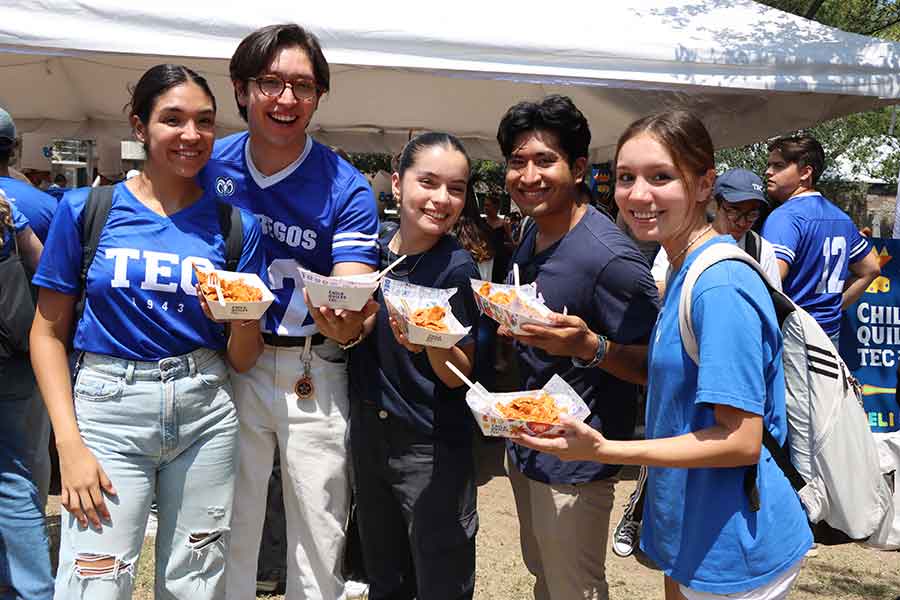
830	456
16	305
96	212
753	244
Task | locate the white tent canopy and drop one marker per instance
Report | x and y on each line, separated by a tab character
748	70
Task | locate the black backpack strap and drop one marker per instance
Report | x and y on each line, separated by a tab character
780	454
233	232
93	219
753	245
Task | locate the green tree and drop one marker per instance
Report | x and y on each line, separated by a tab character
864	141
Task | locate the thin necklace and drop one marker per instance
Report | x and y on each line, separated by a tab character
416	264
689	244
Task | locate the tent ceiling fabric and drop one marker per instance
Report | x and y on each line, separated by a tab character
748	70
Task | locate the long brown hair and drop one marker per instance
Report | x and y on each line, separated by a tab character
685	138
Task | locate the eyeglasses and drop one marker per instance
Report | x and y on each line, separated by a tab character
304	90
736	216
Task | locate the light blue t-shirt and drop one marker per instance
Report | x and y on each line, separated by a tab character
141	298
314	213
819	242
20	222
697	525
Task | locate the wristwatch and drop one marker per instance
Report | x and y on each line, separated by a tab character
598	356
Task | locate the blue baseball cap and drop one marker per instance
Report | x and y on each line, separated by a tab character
739	185
7	129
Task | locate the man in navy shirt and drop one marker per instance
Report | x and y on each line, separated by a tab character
316	212
825	263
587	267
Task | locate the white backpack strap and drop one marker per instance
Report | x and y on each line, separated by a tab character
713	254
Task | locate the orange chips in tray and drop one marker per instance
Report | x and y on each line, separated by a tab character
233	290
424	313
535	412
430	318
510	305
538	409
244	295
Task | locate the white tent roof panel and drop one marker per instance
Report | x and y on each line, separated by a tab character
750	71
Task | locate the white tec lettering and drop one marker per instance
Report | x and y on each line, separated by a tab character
292	235
163	271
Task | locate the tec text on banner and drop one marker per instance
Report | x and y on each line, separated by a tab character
870	340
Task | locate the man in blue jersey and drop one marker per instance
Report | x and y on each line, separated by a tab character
38	208
825	263
316	212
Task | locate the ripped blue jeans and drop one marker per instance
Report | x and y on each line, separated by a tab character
168	431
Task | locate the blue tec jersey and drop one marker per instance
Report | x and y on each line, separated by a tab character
818	241
141	300
20	222
315	213
697	523
32	202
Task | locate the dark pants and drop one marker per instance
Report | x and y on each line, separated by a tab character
416	501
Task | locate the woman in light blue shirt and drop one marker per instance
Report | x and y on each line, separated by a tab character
704	422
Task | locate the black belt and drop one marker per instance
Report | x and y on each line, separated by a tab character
290	341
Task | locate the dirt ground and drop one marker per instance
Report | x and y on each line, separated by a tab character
838	573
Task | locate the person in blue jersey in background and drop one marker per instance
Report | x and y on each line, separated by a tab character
825	264
316	212
152	412
25	561
411	429
38	208
704	422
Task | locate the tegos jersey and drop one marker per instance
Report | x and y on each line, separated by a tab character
316	212
819	242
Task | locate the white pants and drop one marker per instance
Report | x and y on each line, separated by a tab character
775	590
311	437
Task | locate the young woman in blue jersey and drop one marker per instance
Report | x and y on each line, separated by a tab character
704	423
151	414
410	427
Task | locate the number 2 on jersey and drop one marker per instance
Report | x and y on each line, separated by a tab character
832	281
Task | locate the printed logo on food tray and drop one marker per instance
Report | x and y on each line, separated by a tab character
224	186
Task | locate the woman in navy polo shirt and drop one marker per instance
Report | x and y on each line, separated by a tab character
410	427
704	423
151	414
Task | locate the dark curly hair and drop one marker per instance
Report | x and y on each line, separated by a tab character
556	114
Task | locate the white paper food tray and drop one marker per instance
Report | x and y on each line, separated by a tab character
483	405
350	292
416	296
525	308
244	311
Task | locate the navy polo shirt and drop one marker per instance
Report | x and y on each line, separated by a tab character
598	273
37	206
384	373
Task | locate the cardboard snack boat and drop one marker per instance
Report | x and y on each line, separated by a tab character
510	305
350	292
484	407
231	310
404	300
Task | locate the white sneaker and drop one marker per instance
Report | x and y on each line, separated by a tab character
626	537
356	590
